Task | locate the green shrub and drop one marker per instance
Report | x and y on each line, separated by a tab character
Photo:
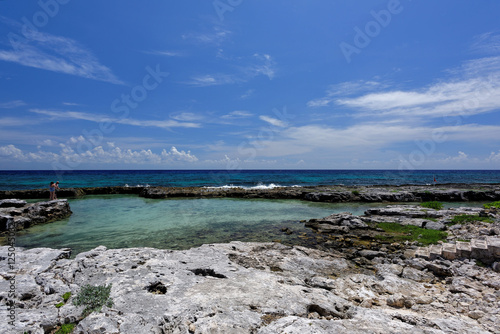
93	298
355	192
400	233
432	205
65	329
492	205
464	219
60	304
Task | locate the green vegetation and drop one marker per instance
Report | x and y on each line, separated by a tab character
66	296
398	233
355	192
492	205
65	329
464	219
65	299
432	205
93	298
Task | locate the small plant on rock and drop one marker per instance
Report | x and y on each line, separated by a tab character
432	205
65	329
93	298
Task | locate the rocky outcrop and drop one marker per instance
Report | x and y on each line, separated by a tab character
23	215
246	288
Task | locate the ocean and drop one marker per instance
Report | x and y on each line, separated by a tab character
20	180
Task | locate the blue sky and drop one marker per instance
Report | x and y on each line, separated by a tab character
240	84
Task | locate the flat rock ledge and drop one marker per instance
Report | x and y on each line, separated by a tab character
19	213
247	288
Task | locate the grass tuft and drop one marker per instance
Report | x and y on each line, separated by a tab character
65	329
492	205
464	219
432	205
400	233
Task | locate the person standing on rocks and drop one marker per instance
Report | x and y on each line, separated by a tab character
56	188
52	191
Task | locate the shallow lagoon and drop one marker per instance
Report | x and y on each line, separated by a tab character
131	221
121	221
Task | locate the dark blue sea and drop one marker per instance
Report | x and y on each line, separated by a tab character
18	180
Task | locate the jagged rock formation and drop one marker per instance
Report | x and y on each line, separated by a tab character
248	288
22	215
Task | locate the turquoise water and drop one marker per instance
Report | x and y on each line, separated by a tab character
17	180
130	221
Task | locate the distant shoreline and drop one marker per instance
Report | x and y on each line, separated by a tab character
454	192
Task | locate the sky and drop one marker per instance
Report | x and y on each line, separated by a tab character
240	84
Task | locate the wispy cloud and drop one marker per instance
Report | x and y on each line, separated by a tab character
58	54
165	124
247	69
266	67
237	114
273	121
247	94
12	104
487	43
214	37
344	89
166	53
213	80
474	88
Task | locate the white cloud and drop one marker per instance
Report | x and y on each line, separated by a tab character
213	80
267	67
237	114
494	157
473	89
12	104
165	124
166	53
58	54
247	69
273	121
77	150
369	138
215	37
247	94
187	116
344	89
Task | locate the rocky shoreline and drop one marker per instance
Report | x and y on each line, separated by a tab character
361	278
333	194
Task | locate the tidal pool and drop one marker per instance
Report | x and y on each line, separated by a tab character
120	221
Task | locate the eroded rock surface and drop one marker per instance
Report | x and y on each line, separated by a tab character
23	215
248	288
